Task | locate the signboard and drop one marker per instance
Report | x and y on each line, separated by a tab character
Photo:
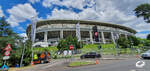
71	47
4	67
8	47
5	57
7	53
96	33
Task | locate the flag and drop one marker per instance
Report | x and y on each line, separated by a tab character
33	31
78	31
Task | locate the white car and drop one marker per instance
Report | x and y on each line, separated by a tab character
40	44
146	55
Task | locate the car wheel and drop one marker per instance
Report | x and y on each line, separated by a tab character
82	57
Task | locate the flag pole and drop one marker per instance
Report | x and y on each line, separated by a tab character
33	32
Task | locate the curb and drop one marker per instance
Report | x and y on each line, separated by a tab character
82	65
113	58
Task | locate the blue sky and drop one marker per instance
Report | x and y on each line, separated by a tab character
19	12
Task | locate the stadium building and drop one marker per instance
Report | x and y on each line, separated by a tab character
51	31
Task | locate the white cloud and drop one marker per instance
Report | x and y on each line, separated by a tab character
69	3
34	1
21	29
23	35
141	35
20	13
48	3
1	12
62	14
103	12
111	11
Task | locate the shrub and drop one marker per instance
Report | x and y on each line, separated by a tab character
65	43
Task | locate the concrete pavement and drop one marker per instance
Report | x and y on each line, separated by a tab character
107	63
125	65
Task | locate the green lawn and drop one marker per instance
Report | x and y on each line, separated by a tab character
106	49
80	63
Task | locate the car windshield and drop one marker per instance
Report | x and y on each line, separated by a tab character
92	52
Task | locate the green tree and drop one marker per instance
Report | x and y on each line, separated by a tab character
148	37
123	42
65	43
5	29
133	40
7	36
28	53
147	43
143	10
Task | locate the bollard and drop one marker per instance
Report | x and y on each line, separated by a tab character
17	65
137	56
97	61
32	63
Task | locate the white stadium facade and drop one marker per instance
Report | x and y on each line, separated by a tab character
51	31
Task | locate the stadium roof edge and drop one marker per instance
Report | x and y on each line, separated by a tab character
43	22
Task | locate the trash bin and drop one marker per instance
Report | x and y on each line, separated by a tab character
17	65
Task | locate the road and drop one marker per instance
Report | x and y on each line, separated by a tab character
125	65
128	64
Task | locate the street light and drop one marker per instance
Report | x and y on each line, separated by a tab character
24	40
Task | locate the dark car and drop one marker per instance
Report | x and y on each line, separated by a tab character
90	55
146	55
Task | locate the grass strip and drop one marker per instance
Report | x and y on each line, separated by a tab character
79	63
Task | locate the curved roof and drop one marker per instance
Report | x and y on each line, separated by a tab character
41	23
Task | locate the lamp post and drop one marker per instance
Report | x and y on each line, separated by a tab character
24	40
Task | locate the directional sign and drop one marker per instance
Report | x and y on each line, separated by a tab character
8	47
96	33
4	67
5	57
71	47
7	53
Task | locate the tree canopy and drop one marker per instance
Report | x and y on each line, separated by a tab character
5	29
7	36
128	42
143	10
65	43
124	42
148	37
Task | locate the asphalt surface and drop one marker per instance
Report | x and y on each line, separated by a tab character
105	64
124	65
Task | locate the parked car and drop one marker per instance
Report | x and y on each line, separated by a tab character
90	55
146	55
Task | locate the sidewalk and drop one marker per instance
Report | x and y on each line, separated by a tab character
40	67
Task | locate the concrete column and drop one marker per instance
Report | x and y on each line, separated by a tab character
103	38
91	36
45	36
112	36
118	35
61	34
126	36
